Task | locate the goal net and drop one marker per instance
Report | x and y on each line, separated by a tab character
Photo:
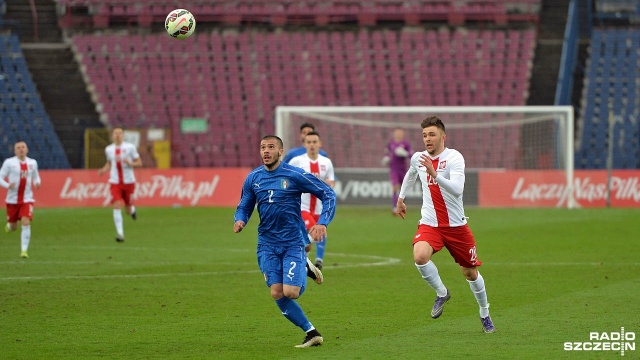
533	146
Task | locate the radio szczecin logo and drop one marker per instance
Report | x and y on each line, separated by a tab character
606	341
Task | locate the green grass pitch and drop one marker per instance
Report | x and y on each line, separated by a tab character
184	286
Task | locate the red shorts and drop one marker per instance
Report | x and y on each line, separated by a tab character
458	240
122	192
15	212
309	219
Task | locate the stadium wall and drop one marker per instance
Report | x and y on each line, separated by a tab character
222	187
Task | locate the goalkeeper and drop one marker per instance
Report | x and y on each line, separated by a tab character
397	153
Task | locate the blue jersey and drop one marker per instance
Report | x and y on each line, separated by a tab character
277	194
300	151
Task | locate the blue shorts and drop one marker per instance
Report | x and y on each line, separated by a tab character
283	265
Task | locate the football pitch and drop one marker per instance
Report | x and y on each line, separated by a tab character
184	286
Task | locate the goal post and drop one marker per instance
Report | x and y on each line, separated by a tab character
529	147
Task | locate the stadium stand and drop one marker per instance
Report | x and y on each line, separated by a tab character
280	12
611	84
237	78
22	116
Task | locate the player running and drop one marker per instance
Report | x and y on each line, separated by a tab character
122	157
276	188
22	175
443	222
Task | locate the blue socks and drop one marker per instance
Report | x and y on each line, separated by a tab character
293	312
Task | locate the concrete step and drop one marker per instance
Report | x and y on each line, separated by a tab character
64	95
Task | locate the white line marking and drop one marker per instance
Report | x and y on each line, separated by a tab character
123	276
380	261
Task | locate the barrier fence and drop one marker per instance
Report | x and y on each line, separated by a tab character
222	187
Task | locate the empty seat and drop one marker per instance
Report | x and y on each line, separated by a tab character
244	75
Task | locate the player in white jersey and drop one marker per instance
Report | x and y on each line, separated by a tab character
122	157
443	222
22	176
322	167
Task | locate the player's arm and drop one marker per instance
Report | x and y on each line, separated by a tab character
330	179
105	168
311	184
35	177
386	158
137	162
245	207
408	181
407	147
325	193
4	173
455	184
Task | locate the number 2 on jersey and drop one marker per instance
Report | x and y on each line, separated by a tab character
290	274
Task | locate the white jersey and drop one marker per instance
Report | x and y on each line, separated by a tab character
441	197
121	173
23	174
322	168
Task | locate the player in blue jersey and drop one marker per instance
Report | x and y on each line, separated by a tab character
301	150
276	188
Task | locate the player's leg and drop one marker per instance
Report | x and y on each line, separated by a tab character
426	242
131	211
396	182
320	248
396	176
476	283
312	271
462	246
272	266
128	191
12	218
118	202
11	227
294	283
396	192
26	214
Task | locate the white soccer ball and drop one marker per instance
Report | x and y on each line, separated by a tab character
180	24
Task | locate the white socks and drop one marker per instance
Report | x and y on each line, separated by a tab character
117	219
479	291
25	237
429	273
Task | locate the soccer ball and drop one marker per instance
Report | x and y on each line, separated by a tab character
180	24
